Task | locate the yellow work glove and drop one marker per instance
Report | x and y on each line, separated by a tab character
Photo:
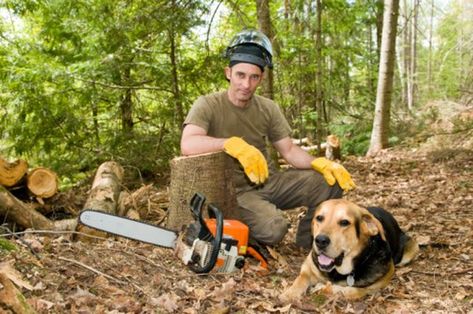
253	162
332	172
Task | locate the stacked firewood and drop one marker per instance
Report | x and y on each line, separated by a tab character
21	188
39	183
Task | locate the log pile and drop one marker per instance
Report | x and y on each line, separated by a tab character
23	191
37	183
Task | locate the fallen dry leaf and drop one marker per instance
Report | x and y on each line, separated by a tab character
15	276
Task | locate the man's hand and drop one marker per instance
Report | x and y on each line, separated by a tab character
253	162
332	172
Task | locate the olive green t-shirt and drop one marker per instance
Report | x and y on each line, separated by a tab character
257	123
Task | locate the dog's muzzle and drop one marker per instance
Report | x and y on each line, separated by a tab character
324	262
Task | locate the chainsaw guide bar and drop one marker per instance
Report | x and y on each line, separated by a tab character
129	228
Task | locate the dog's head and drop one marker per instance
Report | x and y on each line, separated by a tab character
341	230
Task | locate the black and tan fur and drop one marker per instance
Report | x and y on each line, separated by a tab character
354	249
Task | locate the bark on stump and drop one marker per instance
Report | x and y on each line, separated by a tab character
12	172
104	194
210	174
24	215
42	182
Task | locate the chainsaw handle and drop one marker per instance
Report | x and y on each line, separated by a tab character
197	202
205	234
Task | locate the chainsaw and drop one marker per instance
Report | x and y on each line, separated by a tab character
210	244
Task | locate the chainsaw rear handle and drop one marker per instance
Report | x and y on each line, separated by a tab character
197	202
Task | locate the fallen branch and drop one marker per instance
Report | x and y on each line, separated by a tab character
50	232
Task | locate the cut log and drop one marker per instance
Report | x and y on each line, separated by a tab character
42	182
12	209
12	172
105	193
210	174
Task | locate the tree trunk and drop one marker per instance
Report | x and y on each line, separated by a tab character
12	172
42	182
174	72
406	54
431	36
126	104
379	26
380	132
318	73
264	23
105	192
210	174
24	215
413	57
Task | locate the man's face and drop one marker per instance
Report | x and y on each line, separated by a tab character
244	79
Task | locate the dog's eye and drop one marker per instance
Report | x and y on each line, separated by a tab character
319	218
344	223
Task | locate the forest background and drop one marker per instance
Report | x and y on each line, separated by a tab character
82	82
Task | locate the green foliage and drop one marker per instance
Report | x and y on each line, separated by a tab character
87	81
69	73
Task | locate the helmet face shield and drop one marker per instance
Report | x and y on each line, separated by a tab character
251	38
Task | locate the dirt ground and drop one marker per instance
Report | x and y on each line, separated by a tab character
429	192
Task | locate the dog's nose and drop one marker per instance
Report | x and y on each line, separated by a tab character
322	241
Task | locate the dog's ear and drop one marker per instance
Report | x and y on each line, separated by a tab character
370	225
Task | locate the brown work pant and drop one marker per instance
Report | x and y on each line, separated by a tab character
261	208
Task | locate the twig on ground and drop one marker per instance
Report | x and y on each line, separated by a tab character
92	269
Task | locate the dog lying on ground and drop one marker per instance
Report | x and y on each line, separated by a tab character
354	250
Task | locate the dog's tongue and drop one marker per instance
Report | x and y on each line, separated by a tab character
325	260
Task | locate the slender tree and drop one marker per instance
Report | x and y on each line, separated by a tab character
318	72
264	24
380	132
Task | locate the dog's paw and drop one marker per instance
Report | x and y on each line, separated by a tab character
288	296
285	297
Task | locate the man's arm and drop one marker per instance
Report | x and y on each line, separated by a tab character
298	158
195	141
293	154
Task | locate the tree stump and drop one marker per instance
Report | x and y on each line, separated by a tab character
12	172
332	150
42	182
210	174
104	194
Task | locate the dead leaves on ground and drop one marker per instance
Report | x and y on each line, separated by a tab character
430	196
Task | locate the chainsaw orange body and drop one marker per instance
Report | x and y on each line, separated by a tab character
235	235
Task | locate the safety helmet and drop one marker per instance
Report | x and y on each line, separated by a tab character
236	52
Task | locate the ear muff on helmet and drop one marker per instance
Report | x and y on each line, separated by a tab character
251	46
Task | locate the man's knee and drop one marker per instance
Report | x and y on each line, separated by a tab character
272	231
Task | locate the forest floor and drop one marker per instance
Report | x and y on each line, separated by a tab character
429	190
